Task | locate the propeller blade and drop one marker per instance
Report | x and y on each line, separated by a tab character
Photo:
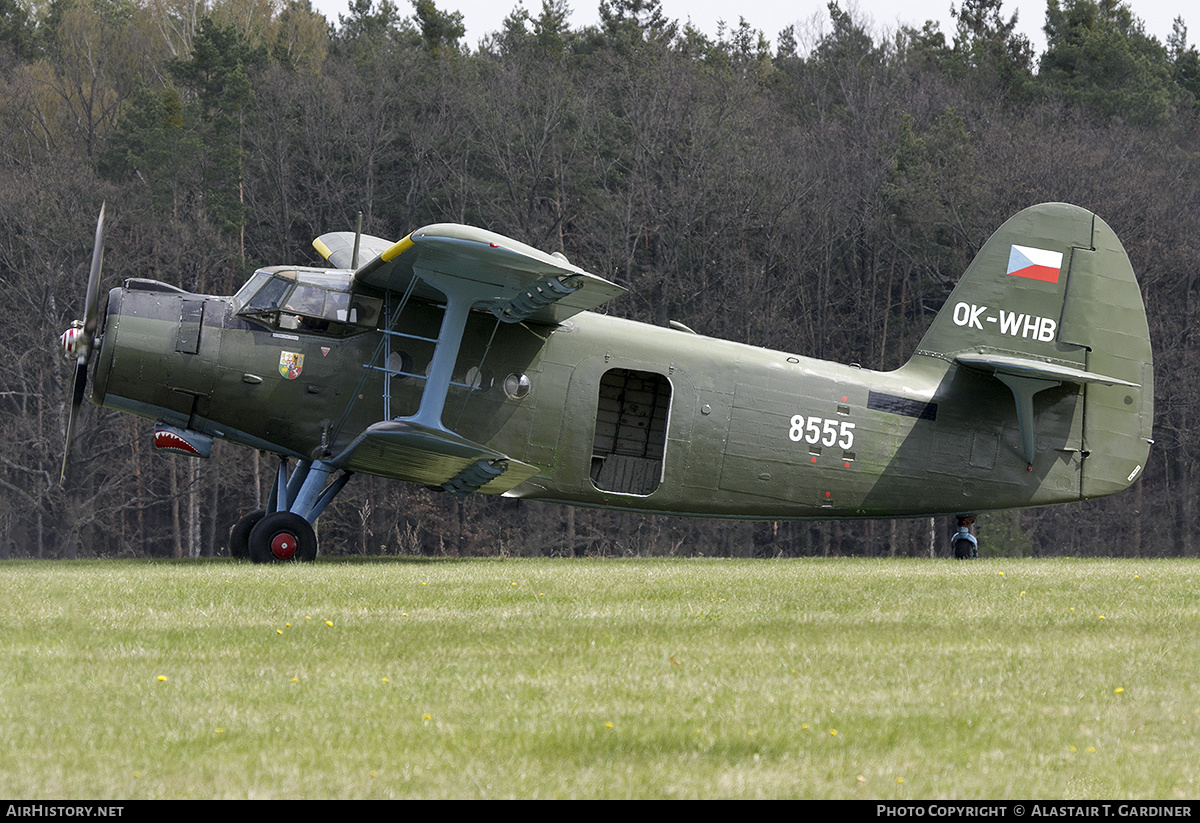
86	339
90	306
76	403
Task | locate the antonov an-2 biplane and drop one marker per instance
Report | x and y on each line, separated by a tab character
468	362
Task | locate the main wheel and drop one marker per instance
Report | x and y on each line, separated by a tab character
281	537
239	537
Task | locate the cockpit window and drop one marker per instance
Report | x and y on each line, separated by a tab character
314	301
270	296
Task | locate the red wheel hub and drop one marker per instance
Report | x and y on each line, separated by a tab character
283	545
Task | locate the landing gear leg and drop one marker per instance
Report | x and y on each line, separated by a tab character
965	546
285	532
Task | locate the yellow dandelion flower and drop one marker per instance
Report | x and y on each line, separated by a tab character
328	622
899	779
427	717
1000	573
162	678
608	725
1072	749
219	731
385	680
308	617
374	773
833	732
1118	690
295	680
1091	748
514	584
287	625
1101	617
279	631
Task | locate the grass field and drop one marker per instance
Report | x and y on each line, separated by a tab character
609	678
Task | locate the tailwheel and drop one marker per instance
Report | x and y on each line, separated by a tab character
282	536
239	537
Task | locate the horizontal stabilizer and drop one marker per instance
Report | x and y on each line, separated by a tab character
517	282
1037	369
405	450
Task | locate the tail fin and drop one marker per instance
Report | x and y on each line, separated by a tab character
1051	299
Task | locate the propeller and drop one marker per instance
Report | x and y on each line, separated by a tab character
77	341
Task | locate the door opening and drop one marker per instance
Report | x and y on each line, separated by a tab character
631	431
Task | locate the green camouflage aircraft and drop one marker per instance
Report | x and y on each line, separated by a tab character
469	362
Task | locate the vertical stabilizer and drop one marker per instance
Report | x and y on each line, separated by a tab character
1051	300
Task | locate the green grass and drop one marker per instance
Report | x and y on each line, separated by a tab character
641	678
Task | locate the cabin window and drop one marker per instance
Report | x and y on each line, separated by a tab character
631	431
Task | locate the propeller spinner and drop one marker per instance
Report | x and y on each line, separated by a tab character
77	341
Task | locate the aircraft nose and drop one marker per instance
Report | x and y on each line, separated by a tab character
70	341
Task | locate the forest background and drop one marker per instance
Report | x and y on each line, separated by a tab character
820	197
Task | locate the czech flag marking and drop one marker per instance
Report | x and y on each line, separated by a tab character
1036	264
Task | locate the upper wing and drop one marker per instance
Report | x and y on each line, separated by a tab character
338	248
517	282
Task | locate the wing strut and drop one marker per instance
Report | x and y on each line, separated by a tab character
459	300
1023	389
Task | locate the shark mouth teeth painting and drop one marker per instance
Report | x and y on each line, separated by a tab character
171	439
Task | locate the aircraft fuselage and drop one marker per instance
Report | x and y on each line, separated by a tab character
614	413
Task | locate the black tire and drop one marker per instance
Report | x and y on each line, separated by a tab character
282	537
239	536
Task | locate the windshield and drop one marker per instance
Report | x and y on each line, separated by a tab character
317	301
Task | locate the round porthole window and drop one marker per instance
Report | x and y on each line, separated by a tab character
479	379
400	364
516	386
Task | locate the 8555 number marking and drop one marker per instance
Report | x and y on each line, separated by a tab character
820	430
